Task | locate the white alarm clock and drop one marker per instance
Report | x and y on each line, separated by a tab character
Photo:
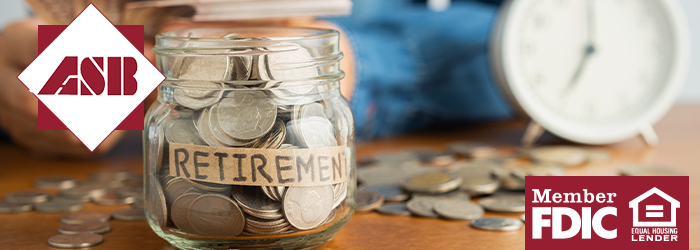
591	71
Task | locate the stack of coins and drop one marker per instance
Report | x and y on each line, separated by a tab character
61	193
481	178
236	102
81	229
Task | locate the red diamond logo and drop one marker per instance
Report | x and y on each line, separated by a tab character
91	77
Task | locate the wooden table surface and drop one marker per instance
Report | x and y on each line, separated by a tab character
679	133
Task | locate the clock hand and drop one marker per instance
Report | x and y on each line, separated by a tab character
590	46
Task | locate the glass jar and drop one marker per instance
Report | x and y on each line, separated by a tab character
250	144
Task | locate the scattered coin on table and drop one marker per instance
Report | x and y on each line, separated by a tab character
27	196
389	192
398	208
55	182
367	200
94	227
422	207
85	217
497	224
75	241
59	206
433	182
6	207
504	203
458	209
129	214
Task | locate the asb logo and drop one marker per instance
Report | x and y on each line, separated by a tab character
90	77
607	212
93	76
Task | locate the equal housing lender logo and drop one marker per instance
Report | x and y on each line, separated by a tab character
607	212
91	77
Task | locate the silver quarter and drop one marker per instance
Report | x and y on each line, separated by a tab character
497	224
245	115
389	192
504	203
85	217
59	206
253	198
182	131
216	215
218	132
93	228
75	241
180	212
433	182
307	207
394	209
458	209
312	132
367	200
55	182
6	207
27	196
422	207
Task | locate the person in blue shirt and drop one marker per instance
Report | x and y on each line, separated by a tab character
407	68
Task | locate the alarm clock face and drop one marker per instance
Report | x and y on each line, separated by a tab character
594	71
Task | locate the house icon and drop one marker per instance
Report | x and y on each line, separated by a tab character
654	210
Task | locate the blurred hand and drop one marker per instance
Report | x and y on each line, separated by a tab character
18	106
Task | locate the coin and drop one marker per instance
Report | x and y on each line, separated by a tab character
471	149
422	207
210	187
367	200
496	224
479	186
85	191
433	182
458	209
110	174
94	228
129	214
182	131
85	217
157	207
254	199
6	207
26	196
394	209
55	182
453	195
204	128
307	207
180	212
218	132
245	115
274	138
566	155
537	170
59	206
312	132
340	191
216	215
389	192
504	203
75	241
111	199
642	170
173	189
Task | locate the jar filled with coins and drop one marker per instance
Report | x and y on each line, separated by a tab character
250	144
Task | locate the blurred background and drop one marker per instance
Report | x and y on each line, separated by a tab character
410	64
